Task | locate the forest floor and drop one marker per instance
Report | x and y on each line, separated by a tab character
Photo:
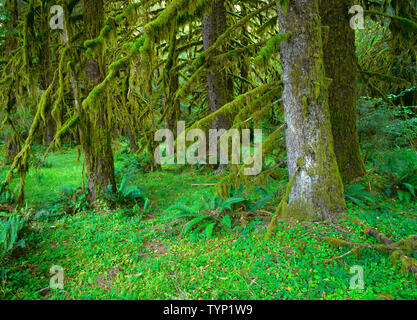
120	254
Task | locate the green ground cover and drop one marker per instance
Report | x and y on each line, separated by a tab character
132	253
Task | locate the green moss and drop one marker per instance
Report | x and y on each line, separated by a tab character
271	47
304	102
301	210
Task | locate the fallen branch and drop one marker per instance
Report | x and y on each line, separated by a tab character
398	250
410	245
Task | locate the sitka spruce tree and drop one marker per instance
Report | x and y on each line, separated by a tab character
317	189
340	63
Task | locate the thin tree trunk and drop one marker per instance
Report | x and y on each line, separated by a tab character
340	63
317	191
45	80
243	61
130	126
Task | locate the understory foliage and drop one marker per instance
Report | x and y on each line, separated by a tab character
399	168
126	195
10	231
140	253
216	213
359	195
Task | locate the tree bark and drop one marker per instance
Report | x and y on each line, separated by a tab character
130	126
218	82
45	80
94	125
340	63
243	61
317	192
11	147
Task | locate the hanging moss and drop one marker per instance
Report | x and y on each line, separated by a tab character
271	47
281	210
237	176
201	58
21	160
232	107
408	24
92	99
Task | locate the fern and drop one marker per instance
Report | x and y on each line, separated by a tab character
126	195
9	234
7	197
212	216
400	172
358	195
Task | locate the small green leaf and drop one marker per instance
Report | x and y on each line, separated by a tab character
410	188
227	221
209	230
192	223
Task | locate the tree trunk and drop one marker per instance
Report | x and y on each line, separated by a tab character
170	102
11	147
218	81
45	81
94	125
340	63
243	61
130	126
49	131
317	192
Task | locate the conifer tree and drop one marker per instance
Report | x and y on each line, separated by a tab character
340	63
317	189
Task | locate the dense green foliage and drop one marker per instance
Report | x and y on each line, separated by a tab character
9	234
400	171
125	255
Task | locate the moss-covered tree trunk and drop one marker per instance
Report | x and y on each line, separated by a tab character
403	44
317	191
244	62
130	125
46	77
340	63
94	125
173	104
218	82
170	87
11	147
